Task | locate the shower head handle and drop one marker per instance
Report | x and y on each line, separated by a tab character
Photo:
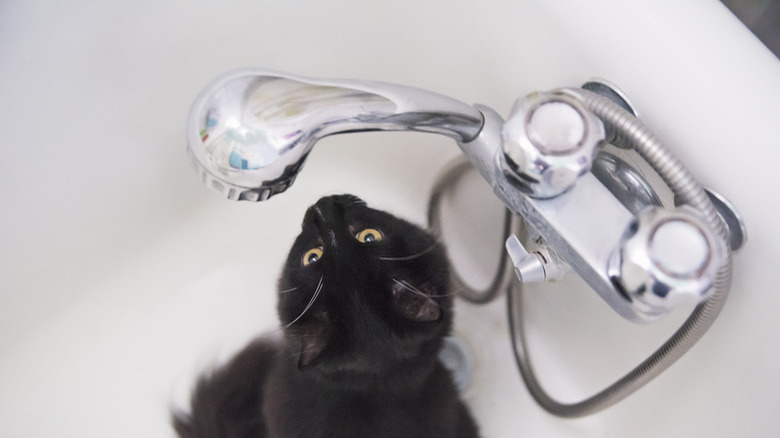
250	131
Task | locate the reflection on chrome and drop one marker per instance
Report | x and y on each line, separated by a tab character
249	131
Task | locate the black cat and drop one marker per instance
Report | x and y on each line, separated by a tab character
364	305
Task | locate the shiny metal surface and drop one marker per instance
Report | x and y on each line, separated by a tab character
667	259
549	141
735	224
249	131
686	188
733	221
582	225
607	89
624	181
528	266
612	92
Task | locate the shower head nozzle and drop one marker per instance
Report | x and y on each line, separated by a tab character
249	131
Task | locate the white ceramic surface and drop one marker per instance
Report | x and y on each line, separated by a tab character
121	276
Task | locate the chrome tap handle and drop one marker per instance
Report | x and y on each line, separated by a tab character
549	141
249	131
667	259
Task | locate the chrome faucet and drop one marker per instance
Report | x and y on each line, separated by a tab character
556	162
250	132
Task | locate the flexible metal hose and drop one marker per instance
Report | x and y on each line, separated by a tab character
504	274
686	188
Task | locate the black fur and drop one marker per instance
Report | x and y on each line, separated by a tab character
363	325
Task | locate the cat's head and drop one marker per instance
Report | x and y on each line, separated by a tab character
363	291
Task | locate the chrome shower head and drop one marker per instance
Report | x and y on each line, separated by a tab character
249	131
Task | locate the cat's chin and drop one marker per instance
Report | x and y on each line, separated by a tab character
366	379
357	373
342	376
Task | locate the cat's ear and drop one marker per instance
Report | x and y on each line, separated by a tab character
314	339
415	306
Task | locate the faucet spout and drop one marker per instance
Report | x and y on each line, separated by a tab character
249	131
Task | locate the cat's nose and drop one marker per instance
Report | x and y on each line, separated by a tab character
326	210
329	220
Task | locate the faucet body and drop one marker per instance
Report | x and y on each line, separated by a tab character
582	226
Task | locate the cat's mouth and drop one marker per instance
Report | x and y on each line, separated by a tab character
415	303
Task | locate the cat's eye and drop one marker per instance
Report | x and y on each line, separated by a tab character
369	235
312	256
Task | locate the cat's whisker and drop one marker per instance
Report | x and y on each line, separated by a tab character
413	256
288	290
451	294
455	292
417	291
308	306
406	285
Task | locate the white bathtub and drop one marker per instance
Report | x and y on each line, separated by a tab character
122	277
